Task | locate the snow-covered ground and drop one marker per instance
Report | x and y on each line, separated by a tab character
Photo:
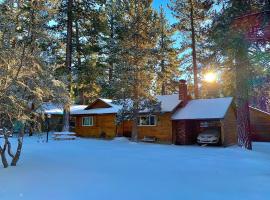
122	170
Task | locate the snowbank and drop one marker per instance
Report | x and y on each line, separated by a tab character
102	170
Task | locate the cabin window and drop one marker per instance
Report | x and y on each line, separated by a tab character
87	121
147	120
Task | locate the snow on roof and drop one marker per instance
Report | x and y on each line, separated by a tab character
97	111
204	109
57	109
259	110
168	102
113	109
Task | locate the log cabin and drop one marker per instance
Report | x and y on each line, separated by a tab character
180	120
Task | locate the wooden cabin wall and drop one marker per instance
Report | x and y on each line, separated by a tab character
229	128
98	104
106	123
162	131
103	124
260	125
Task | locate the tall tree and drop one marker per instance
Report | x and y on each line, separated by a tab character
191	17
235	42
68	62
136	71
115	12
167	57
89	65
25	76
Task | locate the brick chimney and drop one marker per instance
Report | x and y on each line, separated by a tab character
183	92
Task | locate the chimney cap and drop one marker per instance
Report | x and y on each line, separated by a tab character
183	81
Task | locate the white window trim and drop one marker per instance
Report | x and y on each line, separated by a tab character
149	120
88	117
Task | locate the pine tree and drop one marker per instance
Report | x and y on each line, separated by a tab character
25	77
89	65
233	42
112	47
68	65
136	71
239	54
167	58
191	16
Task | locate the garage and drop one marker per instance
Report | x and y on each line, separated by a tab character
209	116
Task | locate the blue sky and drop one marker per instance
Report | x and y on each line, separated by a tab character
163	3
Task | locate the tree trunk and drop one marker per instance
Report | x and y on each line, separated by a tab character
135	129
79	61
19	150
7	145
78	45
66	115
243	116
111	61
136	87
135	126
68	63
194	53
163	84
135	114
3	157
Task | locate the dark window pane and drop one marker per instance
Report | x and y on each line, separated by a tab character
152	120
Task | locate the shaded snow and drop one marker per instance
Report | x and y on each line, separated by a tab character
168	102
110	110
121	170
204	109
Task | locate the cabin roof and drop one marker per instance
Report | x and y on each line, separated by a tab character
168	102
259	110
112	109
195	109
203	109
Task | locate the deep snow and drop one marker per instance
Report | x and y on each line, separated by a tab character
122	170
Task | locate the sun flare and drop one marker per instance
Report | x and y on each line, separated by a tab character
210	77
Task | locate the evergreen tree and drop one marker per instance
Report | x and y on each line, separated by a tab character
191	16
136	71
25	77
90	64
112	45
236	44
78	26
68	62
167	58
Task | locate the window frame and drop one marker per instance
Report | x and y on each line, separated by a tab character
90	117
149	116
